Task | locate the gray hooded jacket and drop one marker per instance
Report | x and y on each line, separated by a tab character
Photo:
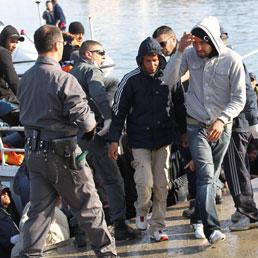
216	85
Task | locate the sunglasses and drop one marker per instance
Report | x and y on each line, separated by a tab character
100	52
164	43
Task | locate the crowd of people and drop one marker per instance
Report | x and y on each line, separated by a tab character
85	138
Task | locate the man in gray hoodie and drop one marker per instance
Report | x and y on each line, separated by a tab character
215	96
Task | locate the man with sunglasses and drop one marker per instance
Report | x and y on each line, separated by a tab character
167	39
90	76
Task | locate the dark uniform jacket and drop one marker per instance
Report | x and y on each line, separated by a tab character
249	115
92	80
147	106
54	99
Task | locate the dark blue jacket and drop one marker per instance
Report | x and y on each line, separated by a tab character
249	115
8	228
59	14
146	105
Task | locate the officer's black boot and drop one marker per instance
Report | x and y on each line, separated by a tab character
123	231
79	234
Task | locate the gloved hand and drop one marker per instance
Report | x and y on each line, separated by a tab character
105	128
254	131
14	239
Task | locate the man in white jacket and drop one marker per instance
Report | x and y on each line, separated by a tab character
216	95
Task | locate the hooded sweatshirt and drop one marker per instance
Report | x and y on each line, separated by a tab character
8	77
8	228
216	85
146	105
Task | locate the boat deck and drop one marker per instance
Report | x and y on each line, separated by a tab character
181	239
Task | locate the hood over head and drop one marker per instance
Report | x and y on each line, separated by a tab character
209	30
150	46
9	32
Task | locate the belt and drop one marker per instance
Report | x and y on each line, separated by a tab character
192	121
39	145
46	134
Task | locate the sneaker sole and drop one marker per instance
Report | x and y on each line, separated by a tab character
200	237
251	226
218	241
161	240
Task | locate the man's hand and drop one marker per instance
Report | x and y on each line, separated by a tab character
186	40
190	165
215	130
183	140
105	128
113	151
254	131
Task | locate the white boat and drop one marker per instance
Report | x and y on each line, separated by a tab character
25	56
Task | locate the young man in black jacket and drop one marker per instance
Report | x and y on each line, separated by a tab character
149	109
9	80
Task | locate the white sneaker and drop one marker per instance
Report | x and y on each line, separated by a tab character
159	236
216	236
198	231
141	222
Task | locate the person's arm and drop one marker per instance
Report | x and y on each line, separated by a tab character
7	68
179	107
120	110
237	92
76	107
97	92
236	103
177	64
251	112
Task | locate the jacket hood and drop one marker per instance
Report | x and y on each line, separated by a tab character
9	32
210	25
150	46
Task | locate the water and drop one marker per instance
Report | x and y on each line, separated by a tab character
121	25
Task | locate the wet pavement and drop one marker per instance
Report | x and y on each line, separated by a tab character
181	242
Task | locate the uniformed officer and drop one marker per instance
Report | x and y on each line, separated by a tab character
52	109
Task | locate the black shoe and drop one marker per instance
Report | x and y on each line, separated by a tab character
79	238
241	224
123	231
188	212
219	198
236	216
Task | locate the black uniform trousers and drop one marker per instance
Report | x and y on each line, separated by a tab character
50	176
236	167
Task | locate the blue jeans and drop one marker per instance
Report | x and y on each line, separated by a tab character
207	157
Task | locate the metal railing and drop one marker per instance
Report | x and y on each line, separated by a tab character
7	149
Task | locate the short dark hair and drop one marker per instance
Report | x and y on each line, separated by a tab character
86	46
76	28
45	37
162	30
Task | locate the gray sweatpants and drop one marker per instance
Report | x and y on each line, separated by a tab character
50	176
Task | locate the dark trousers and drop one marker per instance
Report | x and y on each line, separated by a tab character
109	172
51	176
236	167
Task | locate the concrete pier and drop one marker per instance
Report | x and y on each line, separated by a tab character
181	242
